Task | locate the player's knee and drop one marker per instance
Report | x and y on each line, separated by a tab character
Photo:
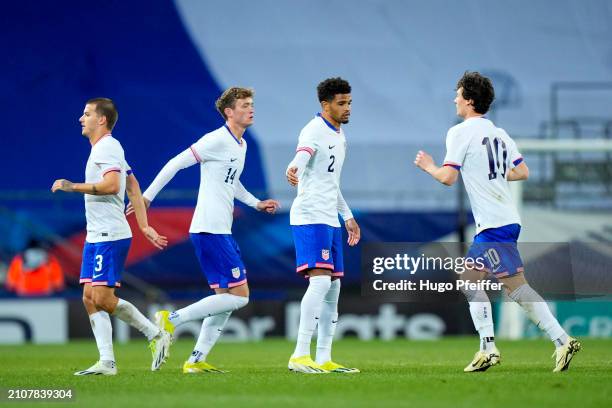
88	301
104	303
239	301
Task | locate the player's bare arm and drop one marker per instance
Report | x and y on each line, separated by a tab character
108	186
446	175
354	232
520	172
292	177
270	206
139	207
296	168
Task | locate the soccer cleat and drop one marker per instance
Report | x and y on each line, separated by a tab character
483	360
304	364
160	349
162	321
200	367
337	368
100	368
565	353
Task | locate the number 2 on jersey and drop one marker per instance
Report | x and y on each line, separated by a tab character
494	162
230	175
330	168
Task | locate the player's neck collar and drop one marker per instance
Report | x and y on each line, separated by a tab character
102	137
230	132
328	123
478	116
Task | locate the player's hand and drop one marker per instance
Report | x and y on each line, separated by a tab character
63	185
159	241
424	161
292	176
130	208
269	206
354	233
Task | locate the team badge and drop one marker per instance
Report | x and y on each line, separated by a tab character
236	273
325	254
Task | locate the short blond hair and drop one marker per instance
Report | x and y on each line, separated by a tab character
230	96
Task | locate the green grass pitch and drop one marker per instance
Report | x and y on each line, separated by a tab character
397	373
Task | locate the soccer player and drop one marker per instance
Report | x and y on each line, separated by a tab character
221	154
107	178
316	170
488	160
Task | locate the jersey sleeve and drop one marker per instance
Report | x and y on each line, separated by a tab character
514	155
109	158
207	148
456	148
306	142
343	207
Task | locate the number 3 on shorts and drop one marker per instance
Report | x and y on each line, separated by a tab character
98	267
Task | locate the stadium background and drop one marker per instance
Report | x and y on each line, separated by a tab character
165	63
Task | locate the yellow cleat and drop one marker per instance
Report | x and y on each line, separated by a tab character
483	360
304	364
565	353
162	321
200	367
337	368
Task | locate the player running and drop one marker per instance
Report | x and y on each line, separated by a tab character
107	178
221	154
316	170
488	159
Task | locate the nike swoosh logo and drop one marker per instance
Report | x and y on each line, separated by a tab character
331	147
233	160
97	276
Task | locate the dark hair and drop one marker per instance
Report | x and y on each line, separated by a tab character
332	87
479	89
230	96
106	107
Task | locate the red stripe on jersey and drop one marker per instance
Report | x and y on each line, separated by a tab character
195	154
453	165
117	169
305	149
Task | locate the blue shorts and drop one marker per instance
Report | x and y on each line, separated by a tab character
497	250
219	258
318	246
103	262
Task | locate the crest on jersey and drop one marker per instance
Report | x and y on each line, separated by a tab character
236	273
325	254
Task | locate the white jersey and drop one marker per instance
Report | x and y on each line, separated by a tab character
221	158
317	200
485	154
105	213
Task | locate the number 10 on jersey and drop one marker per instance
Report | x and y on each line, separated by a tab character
494	162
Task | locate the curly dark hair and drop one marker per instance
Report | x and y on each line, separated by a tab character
479	89
331	87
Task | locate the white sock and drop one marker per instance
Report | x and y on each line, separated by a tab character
103	333
212	327
310	311
537	310
209	306
327	323
132	316
481	312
